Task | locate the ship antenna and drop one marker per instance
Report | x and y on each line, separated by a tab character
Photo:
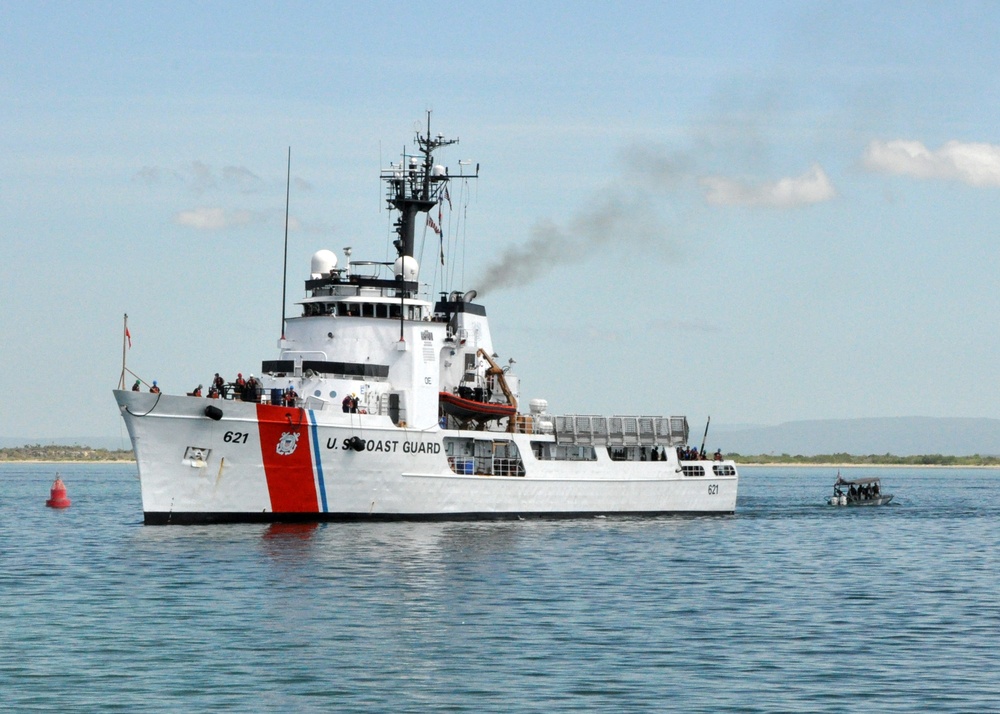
125	338
284	267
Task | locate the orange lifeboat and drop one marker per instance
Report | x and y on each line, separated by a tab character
471	409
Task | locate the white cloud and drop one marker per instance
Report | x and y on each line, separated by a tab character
148	175
201	176
214	219
811	187
976	164
241	178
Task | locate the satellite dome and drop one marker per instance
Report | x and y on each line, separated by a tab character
323	261
407	267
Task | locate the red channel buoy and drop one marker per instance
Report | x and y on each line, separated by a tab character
57	498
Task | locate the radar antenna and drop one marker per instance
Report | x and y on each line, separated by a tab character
415	186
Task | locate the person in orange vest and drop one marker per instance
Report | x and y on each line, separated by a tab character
154	389
239	386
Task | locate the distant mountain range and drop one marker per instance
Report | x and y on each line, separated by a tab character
901	436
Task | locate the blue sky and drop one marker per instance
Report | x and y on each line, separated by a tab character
761	212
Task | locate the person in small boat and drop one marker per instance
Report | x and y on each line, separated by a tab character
154	389
717	456
135	387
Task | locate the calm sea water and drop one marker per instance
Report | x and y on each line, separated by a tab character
788	606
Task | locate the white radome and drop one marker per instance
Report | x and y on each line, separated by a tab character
323	261
407	267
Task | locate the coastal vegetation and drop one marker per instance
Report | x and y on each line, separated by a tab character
53	452
869	460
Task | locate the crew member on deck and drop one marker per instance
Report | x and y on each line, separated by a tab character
251	390
718	455
347	403
197	391
290	396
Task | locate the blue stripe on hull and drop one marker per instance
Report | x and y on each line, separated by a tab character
319	463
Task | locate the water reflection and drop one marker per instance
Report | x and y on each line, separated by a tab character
290	531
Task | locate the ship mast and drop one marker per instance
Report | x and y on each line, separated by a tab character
416	186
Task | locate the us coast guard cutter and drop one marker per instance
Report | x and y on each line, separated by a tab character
436	431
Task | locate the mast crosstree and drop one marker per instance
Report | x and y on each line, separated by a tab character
415	186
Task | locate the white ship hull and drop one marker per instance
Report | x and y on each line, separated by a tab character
267	463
